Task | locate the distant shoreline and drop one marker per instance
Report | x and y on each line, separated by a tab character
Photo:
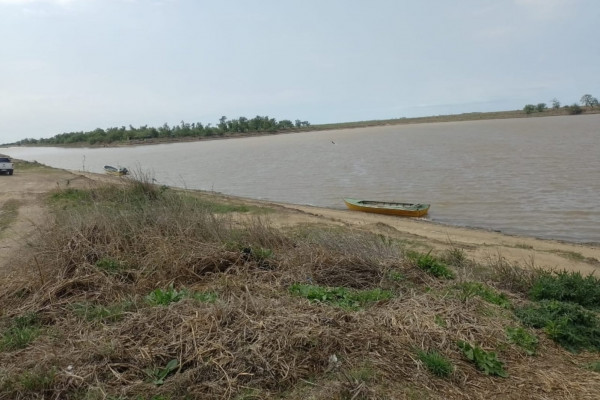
473	116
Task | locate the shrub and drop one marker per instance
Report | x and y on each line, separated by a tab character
567	286
529	108
574	109
568	324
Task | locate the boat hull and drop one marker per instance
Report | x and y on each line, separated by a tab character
388	208
115	171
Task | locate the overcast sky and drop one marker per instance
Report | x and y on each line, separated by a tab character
72	65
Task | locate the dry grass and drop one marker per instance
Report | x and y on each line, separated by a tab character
112	246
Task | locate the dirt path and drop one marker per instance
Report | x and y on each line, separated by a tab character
29	186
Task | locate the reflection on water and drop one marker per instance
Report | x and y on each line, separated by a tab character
531	176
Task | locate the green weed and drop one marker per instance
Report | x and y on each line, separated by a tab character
160	297
594	366
471	289
159	374
21	331
70	197
569	324
396	276
97	312
340	296
110	265
432	265
37	381
484	360
567	286
522	338
440	321
8	213
204	297
436	363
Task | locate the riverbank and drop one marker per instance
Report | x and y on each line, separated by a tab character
32	182
117	288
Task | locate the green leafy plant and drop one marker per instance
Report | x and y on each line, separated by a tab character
158	375
436	363
484	360
568	324
160	297
471	289
522	338
340	296
21	331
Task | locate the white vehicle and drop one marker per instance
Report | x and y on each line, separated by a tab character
6	166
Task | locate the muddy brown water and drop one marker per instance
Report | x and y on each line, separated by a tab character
537	177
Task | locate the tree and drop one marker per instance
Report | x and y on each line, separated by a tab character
588	100
541	107
555	103
529	108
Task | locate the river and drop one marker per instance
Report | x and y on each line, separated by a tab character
537	177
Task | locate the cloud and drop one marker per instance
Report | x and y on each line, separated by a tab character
545	9
25	2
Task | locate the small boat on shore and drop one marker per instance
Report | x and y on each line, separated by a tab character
389	208
115	171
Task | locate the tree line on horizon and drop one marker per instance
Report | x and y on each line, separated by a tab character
225	126
587	100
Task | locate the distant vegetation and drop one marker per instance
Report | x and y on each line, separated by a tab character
260	125
184	130
587	100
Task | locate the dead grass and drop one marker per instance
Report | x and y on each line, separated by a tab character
256	340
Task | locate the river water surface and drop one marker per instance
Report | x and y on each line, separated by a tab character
530	176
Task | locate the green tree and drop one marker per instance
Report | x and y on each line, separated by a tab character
541	107
555	103
529	108
588	100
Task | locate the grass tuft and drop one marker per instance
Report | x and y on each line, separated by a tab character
432	265
21	331
436	363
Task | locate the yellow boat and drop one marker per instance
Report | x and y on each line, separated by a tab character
389	208
115	171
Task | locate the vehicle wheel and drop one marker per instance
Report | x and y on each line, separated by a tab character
10	172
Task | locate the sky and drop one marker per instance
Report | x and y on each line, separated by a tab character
78	65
